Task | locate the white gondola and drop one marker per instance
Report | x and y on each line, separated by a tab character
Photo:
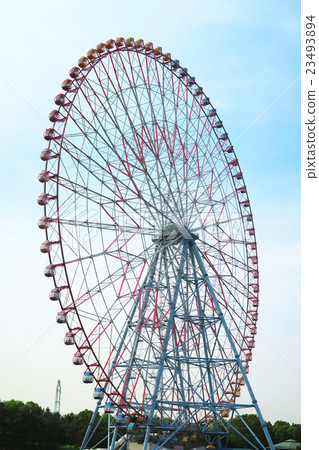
175	64
120	419
211	112
183	72
60	100
88	377
255	302
119	42
109	407
251	231
139	43
50	134
238	176
61	317
255	288
67	85
77	359
55	116
55	294
43	199
47	154
46	247
83	62
129	42
254	259
158	51
253	331
49	271
98	394
74	72
249	357
198	91
69	338
100	48
242	190
44	223
92	54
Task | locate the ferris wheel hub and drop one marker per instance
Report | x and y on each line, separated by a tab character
175	233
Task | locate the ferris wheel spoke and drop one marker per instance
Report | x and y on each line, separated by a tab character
112	116
104	226
233	265
158	160
232	311
171	145
154	185
97	167
150	207
204	189
99	288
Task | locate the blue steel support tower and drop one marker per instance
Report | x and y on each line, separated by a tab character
207	416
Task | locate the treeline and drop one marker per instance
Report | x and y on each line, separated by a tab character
28	426
280	431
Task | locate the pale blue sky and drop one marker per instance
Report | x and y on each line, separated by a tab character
245	56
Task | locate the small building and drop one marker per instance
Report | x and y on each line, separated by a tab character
290	444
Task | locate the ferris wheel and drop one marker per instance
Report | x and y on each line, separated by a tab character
151	245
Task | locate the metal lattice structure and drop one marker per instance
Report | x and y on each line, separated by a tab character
57	402
151	244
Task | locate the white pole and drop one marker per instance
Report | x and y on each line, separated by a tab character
108	431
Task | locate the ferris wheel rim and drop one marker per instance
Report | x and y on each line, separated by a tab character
64	261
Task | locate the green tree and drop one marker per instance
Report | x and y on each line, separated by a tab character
294	432
28	426
12	423
76	426
53	427
69	426
253	423
280	431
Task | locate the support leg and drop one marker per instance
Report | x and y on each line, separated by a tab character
231	341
